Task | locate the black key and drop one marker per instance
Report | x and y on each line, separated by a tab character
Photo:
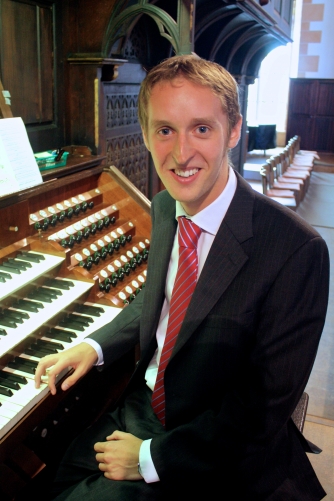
70	324
39	297
25	262
49	344
30	256
11	315
95	311
16	378
6	276
3	332
39	304
22	367
7	322
6	269
5	391
53	293
54	330
19	264
38	291
84	320
59	284
25	305
39	256
9	384
61	335
48	350
10	267
26	361
18	314
39	352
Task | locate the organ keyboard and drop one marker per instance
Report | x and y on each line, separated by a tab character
73	253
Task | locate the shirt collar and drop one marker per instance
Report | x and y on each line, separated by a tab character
210	218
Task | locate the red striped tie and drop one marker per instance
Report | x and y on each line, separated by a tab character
184	286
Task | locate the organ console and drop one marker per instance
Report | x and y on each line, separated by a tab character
73	253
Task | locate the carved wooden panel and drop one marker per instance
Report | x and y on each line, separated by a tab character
125	147
121	110
129	154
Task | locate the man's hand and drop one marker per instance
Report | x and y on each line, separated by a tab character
80	358
118	457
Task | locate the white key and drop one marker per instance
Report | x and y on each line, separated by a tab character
7	412
26	393
3	422
24	400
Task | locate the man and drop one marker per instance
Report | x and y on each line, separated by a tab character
247	343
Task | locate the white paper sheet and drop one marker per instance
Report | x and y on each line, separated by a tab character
18	167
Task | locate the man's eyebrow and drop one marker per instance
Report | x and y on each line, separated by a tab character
203	121
195	121
159	123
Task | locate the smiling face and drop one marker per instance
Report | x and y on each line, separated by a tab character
187	135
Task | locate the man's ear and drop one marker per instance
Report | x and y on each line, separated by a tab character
145	139
235	134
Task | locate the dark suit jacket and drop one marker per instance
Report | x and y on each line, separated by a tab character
243	356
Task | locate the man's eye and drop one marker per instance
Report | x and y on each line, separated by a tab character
164	132
203	129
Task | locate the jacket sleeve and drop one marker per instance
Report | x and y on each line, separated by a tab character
121	334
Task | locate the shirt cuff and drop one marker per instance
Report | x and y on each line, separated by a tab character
97	348
148	471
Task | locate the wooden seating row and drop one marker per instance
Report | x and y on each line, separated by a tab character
286	176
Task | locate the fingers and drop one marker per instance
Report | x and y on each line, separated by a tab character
118	457
81	358
117	435
45	372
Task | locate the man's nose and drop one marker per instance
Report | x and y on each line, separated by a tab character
183	149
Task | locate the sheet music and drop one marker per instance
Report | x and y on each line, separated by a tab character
18	167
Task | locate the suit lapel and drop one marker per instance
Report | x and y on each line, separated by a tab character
160	251
225	259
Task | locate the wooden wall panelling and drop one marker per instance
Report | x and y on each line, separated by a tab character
85	22
84	82
311	113
28	65
324	118
325	104
324	134
24	55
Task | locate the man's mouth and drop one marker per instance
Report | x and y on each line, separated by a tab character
185	173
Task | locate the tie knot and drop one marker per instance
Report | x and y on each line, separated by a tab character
189	233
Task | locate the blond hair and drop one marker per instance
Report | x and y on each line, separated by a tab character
198	71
